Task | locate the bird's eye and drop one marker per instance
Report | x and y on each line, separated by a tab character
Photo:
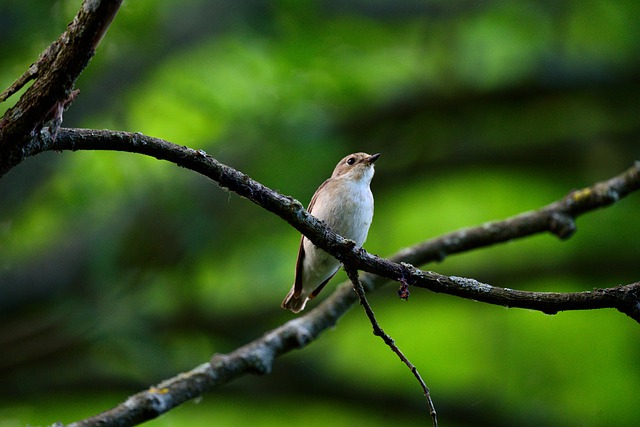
351	160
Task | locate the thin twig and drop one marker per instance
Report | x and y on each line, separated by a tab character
30	74
377	331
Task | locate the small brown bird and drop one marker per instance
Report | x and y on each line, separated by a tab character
345	203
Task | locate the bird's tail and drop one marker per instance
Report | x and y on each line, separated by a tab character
295	302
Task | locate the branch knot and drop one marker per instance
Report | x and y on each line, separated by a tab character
562	225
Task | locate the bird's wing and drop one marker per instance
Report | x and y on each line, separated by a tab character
317	290
297	283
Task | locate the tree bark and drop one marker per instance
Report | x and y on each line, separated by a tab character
28	126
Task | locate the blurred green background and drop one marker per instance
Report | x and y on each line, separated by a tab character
117	271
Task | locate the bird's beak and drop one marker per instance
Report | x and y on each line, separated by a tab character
372	158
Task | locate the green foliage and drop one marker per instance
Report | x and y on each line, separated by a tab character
130	269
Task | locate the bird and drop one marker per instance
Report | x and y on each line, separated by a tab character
345	203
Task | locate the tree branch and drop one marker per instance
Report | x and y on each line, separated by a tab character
557	218
55	73
256	357
390	342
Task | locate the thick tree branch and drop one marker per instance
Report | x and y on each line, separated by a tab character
256	357
55	73
557	218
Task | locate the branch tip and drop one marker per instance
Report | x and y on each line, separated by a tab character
352	273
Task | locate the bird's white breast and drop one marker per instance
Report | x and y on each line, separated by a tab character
347	208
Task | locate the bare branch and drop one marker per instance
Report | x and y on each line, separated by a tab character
256	357
558	218
55	73
379	332
30	74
